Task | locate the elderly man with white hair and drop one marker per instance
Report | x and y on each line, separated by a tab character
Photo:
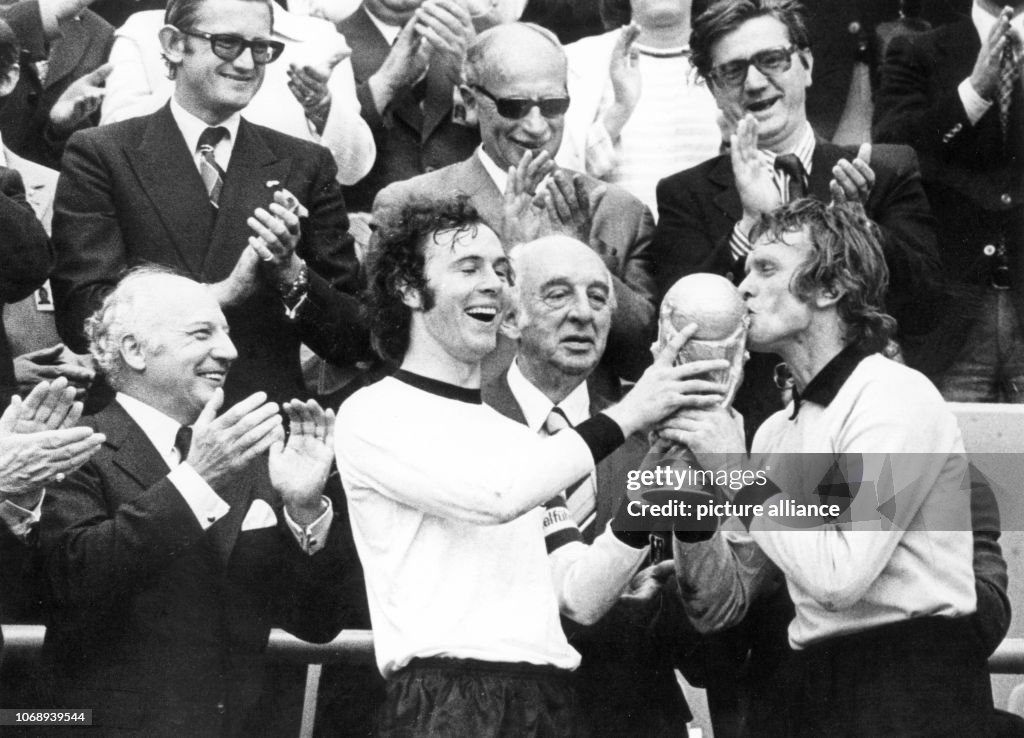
191	532
561	322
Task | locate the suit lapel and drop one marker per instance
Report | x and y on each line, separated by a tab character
167	174
608	491
823	160
67	52
499	396
369	49
136	456
727	199
438	104
252	165
473	179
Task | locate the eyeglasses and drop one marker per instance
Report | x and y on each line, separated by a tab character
768	62
229	47
515	108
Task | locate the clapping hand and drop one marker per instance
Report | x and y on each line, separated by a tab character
50	363
755	179
853	181
38	443
299	466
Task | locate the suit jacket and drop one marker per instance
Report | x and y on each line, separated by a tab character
975	185
410	140
26	256
621	236
626	680
25	113
699	207
130	193
27	327
153	622
25	20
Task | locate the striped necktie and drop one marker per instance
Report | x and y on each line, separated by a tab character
579	497
791	166
209	169
1009	73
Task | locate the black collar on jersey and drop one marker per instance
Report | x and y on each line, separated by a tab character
825	386
437	387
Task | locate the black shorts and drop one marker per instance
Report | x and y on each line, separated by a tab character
439	697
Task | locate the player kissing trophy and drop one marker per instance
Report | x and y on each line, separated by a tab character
716	306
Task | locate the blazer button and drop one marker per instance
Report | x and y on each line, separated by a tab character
1006	198
221	708
989	250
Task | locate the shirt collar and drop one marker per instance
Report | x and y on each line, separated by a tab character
499	177
3	153
984	21
159	428
536	406
192	127
439	388
825	385
804	149
388	31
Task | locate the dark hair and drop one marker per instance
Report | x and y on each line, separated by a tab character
182	14
846	255
10	48
725	16
396	263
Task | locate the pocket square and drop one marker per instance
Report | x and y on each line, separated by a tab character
260	515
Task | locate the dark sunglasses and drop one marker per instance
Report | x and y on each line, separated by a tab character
768	62
515	108
229	47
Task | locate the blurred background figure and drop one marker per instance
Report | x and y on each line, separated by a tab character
953	95
407	58
62	54
639	111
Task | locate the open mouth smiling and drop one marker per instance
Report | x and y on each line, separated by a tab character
483	313
760	106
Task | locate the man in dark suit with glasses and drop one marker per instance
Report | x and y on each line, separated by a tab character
756	58
196	187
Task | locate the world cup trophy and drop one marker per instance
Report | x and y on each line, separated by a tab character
716	306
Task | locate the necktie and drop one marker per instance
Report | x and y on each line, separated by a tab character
1009	73
579	497
790	165
209	169
183	442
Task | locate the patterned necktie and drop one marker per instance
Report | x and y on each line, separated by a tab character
582	506
209	169
183	442
791	166
1009	73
